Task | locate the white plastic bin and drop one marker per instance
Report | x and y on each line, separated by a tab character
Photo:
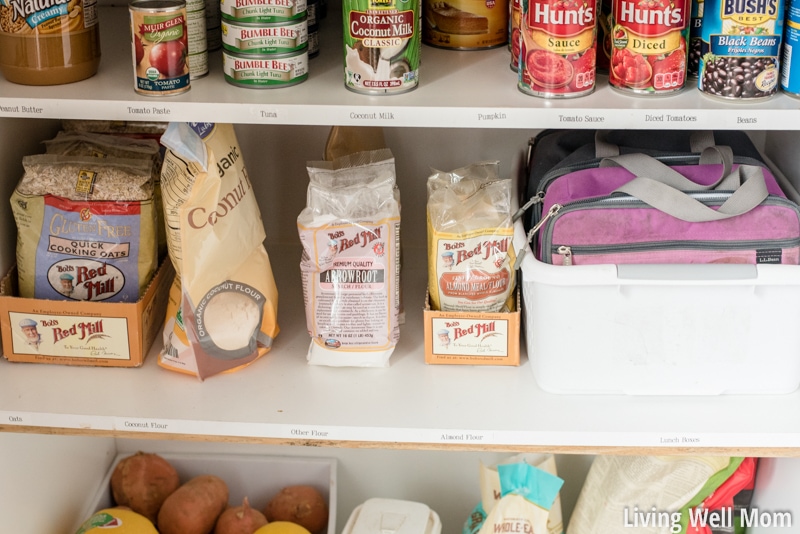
662	329
392	516
259	478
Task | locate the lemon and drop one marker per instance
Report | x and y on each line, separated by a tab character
281	527
117	521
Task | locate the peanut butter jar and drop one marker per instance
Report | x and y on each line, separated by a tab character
57	43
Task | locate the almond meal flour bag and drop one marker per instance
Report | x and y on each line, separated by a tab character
470	232
222	311
350	263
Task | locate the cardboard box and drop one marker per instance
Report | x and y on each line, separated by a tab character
471	338
259	478
105	334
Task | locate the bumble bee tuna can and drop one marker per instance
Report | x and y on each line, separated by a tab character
381	45
741	42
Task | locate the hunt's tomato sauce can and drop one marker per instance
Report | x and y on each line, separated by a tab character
557	48
648	45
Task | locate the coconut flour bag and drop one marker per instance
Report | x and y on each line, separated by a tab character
222	311
470	232
350	263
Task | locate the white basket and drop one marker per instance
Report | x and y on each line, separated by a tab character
259	478
662	329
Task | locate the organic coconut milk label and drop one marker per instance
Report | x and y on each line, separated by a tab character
381	45
71	336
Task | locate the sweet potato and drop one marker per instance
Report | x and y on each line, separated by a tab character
300	504
240	520
194	507
142	482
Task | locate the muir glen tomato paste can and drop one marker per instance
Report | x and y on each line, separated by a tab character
160	47
648	45
557	48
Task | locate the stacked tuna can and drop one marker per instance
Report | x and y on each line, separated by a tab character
265	42
314	16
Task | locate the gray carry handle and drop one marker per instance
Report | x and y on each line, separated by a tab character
698	141
662	196
644	165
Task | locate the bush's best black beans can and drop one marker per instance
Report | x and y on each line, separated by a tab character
790	70
695	38
741	48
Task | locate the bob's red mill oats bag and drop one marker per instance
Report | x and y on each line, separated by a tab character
86	228
222	310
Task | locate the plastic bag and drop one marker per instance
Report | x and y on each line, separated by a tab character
350	267
223	304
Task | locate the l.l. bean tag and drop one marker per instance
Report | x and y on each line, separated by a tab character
70	336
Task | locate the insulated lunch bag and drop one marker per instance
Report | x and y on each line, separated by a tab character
554	153
633	208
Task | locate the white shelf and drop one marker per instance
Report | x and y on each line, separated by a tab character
281	398
474	89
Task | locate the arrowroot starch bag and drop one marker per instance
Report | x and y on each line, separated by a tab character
222	311
350	263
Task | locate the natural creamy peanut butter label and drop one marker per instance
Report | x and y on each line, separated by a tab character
70	336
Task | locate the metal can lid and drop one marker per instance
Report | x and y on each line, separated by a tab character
254	25
157	5
239	55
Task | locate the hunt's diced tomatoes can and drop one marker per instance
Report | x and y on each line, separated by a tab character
648	45
557	48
